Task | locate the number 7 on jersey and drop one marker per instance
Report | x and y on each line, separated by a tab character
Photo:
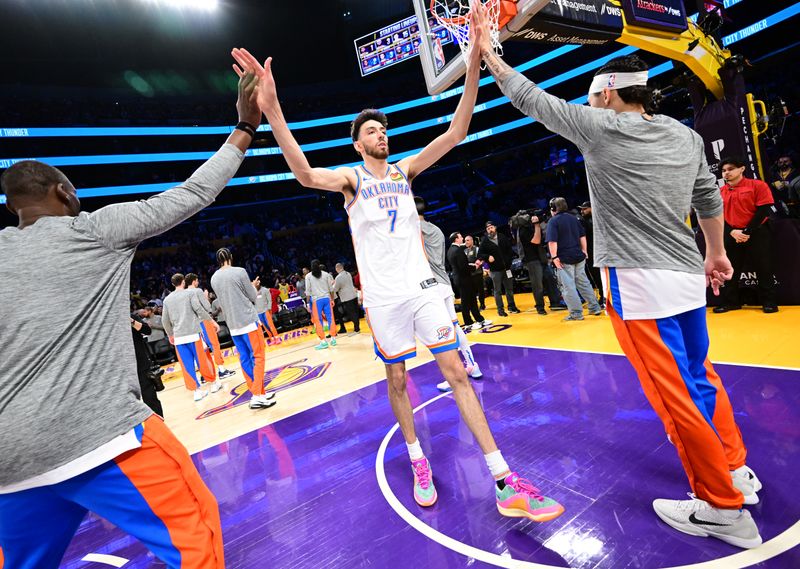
393	214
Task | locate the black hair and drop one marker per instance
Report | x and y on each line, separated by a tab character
454	235
421	205
177	279
30	179
224	256
737	161
316	268
191	277
364	116
638	94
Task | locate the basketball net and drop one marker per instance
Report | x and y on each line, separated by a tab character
454	16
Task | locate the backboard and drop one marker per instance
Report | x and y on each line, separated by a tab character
442	63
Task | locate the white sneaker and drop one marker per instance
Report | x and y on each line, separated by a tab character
486	323
199	394
698	517
476	326
444	387
262	401
476	372
746	481
216	386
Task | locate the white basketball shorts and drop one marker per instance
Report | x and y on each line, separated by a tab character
395	326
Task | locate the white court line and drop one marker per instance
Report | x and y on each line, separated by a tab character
112	560
740	364
769	549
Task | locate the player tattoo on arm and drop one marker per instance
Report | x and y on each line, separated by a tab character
497	67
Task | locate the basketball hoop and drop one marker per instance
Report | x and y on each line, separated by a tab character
454	16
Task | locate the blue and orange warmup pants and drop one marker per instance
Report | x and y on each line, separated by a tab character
191	355
670	356
154	493
321	308
212	339
269	326
251	347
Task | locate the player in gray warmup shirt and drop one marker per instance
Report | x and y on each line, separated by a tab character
75	433
646	172
237	296
181	316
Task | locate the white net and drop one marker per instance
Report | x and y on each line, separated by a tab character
453	15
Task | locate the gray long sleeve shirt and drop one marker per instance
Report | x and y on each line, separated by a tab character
434	241
182	313
263	300
343	287
644	178
156	328
237	297
73	339
319	287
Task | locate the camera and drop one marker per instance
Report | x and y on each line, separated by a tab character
523	218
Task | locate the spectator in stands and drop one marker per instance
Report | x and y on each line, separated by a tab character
462	274
301	283
348	298
786	185
283	289
496	250
567	242
747	204
471	251
529	238
592	271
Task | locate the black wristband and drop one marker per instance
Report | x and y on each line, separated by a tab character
247	127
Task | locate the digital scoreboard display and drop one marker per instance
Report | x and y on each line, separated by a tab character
393	44
664	15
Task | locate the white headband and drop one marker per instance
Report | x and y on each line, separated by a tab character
618	81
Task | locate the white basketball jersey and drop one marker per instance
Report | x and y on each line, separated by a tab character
386	237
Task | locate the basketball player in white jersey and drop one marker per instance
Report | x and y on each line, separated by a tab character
400	294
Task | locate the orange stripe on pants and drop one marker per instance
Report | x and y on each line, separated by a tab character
212	335
207	371
258	344
316	318
271	324
701	450
725	423
163	472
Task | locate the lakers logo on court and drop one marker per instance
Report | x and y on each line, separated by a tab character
276	379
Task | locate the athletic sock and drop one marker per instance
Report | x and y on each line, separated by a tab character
415	450
498	467
463	346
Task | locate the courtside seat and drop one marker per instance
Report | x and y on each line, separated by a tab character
224	334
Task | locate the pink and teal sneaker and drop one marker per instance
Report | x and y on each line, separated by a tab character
520	499
424	490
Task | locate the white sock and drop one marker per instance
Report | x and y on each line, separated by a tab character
415	450
497	464
463	346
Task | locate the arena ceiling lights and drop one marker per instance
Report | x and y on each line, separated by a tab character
199	5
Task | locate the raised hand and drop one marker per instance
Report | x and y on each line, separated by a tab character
476	35
479	32
246	62
247	103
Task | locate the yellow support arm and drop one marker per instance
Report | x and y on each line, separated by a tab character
705	59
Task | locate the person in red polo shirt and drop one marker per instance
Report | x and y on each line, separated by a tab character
747	205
